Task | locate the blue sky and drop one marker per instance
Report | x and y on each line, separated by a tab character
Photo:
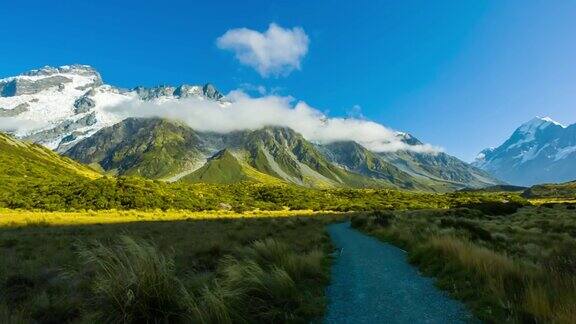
458	74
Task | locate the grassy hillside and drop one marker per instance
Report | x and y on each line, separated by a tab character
285	154
225	168
36	178
162	149
21	161
358	159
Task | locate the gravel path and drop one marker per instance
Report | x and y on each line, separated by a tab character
372	282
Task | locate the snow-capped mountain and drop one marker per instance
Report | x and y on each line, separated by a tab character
540	150
69	109
57	107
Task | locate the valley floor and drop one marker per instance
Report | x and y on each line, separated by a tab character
507	262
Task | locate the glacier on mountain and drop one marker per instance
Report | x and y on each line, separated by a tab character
59	106
540	150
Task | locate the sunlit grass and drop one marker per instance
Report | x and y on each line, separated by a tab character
15	218
542	201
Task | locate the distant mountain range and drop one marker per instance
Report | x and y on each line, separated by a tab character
539	151
65	109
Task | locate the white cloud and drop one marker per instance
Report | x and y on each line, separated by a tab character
18	125
277	51
355	112
252	88
246	112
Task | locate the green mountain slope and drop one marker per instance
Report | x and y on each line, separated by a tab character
151	148
358	159
407	169
21	161
442	167
225	168
162	149
285	154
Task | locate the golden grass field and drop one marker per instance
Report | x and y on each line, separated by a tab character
12	218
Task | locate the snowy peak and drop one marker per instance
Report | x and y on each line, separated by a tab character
550	120
59	106
77	77
538	123
408	138
75	69
540	150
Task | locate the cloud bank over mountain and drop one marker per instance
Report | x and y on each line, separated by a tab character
276	52
245	112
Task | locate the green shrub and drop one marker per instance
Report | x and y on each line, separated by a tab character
382	218
464	212
358	221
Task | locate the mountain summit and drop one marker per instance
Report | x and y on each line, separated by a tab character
540	150
59	106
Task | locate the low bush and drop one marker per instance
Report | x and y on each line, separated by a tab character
562	259
272	282
382	218
358	221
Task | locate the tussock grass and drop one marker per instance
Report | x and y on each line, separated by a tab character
134	283
269	282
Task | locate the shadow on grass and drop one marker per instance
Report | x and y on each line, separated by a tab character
219	270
